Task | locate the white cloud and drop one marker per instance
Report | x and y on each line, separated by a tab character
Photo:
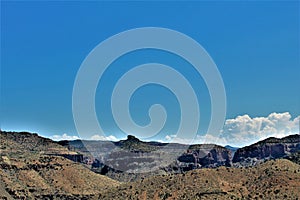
101	137
244	130
240	131
203	139
170	137
64	137
210	139
174	139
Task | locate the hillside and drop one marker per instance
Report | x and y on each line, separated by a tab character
28	169
276	179
29	142
132	155
120	160
33	167
270	148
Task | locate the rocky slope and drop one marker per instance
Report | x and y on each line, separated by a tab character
48	177
32	167
294	157
270	148
276	179
29	142
206	155
133	153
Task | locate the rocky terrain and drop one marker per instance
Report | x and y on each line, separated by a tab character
33	167
124	159
121	160
276	179
270	148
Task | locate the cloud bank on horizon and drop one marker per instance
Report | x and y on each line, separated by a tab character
244	130
240	131
65	136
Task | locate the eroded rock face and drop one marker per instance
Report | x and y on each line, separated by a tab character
270	148
127	155
124	159
206	156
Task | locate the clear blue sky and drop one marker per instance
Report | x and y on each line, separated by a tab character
254	44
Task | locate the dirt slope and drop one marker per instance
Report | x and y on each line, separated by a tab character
276	179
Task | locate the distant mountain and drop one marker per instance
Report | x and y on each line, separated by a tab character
206	155
33	167
133	153
231	148
270	148
133	144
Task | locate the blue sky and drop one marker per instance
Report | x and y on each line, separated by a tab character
254	44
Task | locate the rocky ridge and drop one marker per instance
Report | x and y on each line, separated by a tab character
33	167
270	148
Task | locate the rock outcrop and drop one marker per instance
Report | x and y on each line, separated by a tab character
270	148
206	155
123	159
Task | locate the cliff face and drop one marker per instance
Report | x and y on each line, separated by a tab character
123	159
268	149
206	155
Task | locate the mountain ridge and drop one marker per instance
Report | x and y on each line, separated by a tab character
32	167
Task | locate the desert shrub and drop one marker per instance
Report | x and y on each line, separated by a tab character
276	191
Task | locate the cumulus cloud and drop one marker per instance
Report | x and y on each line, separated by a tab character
244	130
240	131
101	137
64	137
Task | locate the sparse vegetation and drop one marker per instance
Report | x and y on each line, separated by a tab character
35	174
